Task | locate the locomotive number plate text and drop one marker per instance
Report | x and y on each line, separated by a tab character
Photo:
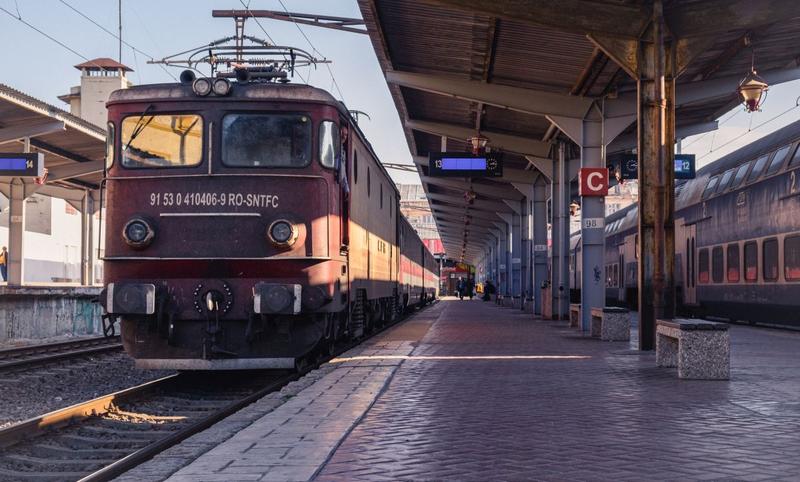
213	199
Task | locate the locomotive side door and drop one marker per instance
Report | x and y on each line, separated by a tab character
345	174
690	265
621	274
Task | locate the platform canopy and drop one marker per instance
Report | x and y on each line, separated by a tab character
518	72
74	149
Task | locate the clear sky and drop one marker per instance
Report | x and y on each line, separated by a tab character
40	67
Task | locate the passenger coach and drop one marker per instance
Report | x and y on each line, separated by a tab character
737	237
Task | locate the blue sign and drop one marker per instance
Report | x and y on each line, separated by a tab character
626	166
22	165
463	164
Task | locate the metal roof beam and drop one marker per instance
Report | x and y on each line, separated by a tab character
478	204
454	219
694	92
521	145
579	16
513	98
501	192
453	210
69	171
719	16
15	133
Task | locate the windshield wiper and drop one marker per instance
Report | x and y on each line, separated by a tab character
139	127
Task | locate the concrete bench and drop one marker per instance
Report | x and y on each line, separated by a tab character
700	349
574	315
611	324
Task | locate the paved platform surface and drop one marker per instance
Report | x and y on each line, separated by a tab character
468	390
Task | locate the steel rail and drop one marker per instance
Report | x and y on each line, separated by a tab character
84	411
50	352
66	416
146	453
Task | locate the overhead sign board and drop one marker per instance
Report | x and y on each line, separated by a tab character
627	165
593	181
464	164
22	165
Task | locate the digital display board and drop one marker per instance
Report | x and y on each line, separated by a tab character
684	166
628	166
463	164
22	165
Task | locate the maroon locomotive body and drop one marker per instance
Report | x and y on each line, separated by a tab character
249	228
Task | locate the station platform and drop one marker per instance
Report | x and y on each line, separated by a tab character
467	390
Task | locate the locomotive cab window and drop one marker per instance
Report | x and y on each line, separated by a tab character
791	258
110	134
751	261
164	140
266	140
770	256
329	144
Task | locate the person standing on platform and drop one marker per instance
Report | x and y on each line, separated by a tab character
461	287
470	287
4	263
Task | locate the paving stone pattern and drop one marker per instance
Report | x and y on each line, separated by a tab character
613	416
293	440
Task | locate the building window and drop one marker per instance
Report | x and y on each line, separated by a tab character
717	264
355	166
615	276
791	258
737	181
751	261
712	184
757	168
733	263
777	161
702	272
770	255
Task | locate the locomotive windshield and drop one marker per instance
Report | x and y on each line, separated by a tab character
266	140
170	140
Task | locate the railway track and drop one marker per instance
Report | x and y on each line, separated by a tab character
102	438
36	355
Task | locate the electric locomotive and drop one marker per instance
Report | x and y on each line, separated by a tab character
249	223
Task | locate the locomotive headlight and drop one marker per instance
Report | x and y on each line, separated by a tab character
138	233
282	233
221	87
201	86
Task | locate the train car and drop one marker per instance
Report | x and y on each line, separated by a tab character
737	237
249	225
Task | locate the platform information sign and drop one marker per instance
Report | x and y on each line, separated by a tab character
22	165
463	164
627	165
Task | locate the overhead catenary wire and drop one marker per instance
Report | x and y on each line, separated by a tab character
50	37
314	49
790	109
134	49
